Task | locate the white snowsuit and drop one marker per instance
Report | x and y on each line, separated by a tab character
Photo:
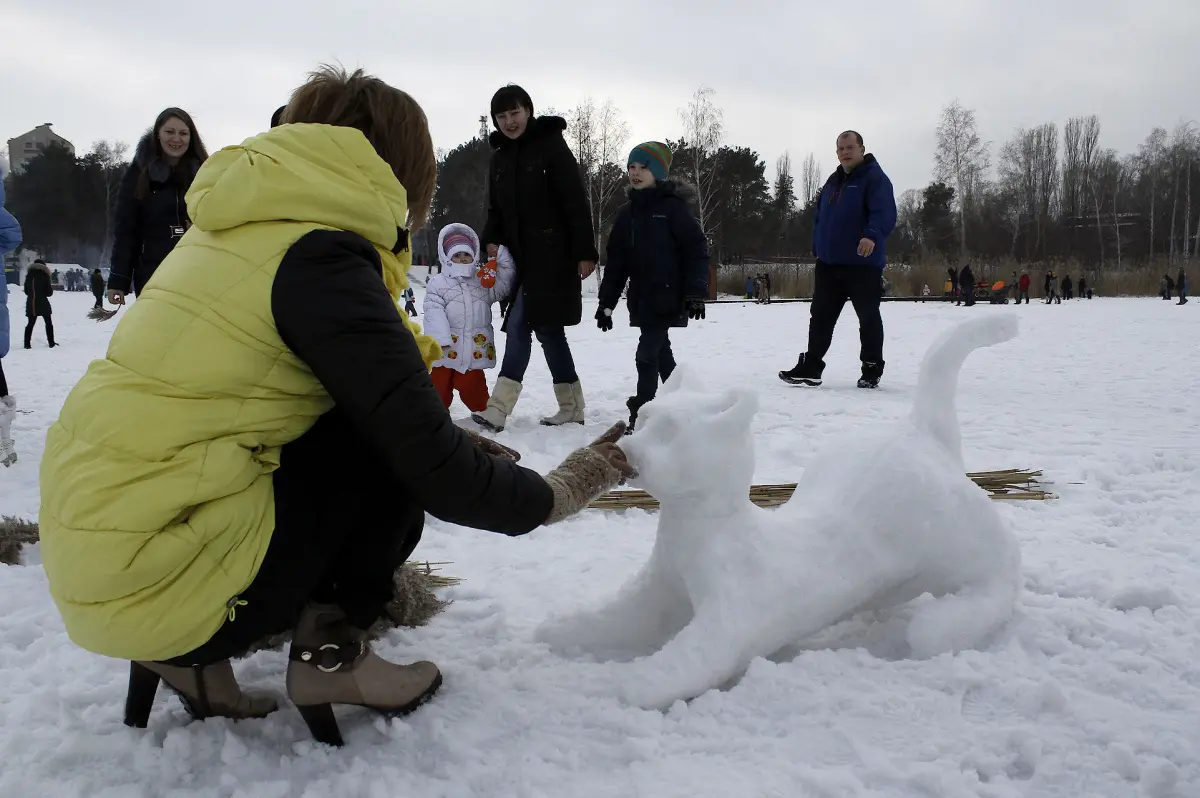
458	310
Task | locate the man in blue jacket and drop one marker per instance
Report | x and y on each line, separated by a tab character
856	211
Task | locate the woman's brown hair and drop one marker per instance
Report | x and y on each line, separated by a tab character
392	121
150	150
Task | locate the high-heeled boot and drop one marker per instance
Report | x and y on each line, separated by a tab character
330	662
209	692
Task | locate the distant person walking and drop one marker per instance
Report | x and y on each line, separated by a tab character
98	287
38	289
1023	284
855	213
1181	286
966	285
151	213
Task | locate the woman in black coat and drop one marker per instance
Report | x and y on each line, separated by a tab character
538	208
38	289
151	212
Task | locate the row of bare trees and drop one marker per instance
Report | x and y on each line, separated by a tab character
1042	198
1056	197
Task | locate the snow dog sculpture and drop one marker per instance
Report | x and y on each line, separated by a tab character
877	521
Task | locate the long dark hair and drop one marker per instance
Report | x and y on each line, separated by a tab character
150	151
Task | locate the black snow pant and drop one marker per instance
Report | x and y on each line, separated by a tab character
1023	295
49	329
654	360
99	298
340	534
833	287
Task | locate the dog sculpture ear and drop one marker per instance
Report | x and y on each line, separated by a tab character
684	378
737	407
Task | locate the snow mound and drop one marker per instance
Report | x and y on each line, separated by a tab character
877	521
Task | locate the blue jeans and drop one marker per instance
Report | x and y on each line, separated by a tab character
518	347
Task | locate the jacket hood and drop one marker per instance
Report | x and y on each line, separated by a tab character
320	174
42	267
668	188
444	258
538	126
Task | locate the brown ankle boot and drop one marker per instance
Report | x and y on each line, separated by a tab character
331	663
210	692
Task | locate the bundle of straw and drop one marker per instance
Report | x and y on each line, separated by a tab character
100	314
1009	484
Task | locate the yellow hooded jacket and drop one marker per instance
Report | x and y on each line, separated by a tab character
157	501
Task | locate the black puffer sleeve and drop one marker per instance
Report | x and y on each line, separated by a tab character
331	308
127	243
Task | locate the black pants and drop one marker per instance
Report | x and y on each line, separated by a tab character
1023	295
49	329
99	298
834	285
3	380
654	360
341	531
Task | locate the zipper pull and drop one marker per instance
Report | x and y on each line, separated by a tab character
232	606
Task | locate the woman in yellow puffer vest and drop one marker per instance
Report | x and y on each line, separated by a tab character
257	450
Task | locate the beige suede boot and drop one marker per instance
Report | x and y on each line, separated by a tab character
500	405
210	692
332	663
570	405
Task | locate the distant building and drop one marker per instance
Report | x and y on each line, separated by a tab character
27	146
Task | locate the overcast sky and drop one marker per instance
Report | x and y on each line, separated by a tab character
789	75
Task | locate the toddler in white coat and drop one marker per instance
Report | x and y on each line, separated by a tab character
458	315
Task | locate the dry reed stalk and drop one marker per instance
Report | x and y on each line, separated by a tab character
1013	484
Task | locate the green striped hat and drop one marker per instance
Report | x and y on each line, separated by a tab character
656	157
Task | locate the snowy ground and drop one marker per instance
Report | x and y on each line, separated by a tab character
1093	690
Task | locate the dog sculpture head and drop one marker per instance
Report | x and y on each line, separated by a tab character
695	444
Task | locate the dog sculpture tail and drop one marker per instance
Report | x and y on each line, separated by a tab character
934	409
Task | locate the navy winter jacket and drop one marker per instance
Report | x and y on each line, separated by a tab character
657	246
852	207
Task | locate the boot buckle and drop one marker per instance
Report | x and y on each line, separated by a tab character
332	656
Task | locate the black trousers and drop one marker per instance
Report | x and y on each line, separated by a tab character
1022	295
49	329
654	360
99	298
342	528
3	380
834	286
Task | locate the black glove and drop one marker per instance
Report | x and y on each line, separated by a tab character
604	319
695	308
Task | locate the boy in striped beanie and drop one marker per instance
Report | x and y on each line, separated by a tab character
665	265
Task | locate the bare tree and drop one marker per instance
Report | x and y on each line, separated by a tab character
1150	164
597	135
110	155
811	179
703	131
1046	177
961	159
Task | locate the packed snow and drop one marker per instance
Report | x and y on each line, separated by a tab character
1092	688
880	518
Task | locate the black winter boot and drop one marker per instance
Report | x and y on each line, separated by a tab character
634	404
871	374
805	373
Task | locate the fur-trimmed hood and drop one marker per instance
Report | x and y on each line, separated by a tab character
671	188
40	267
145	157
538	126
